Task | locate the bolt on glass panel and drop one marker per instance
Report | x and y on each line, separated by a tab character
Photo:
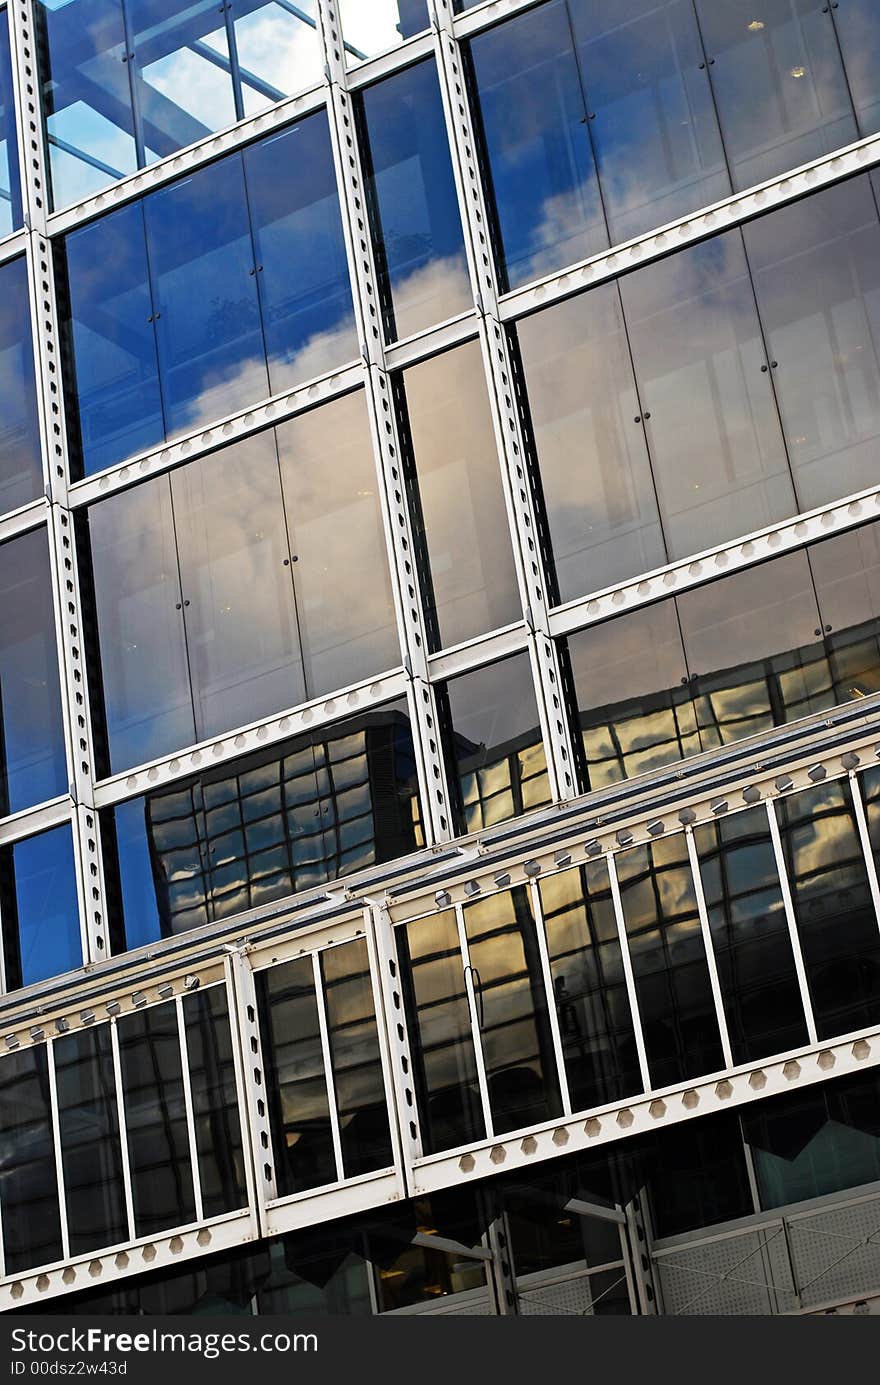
39	908
374	26
21	471
10	182
29	1210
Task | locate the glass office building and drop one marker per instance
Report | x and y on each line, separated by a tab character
440	656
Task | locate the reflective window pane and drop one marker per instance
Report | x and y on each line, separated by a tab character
778	83
21	471
355	1060
296	1081
423	275
373	26
589	987
669	961
181	73
538	149
750	936
493	744
34	767
345	606
40	912
88	1122
155	1119
29	1186
308	317
215	1102
837	925
279	50
457	497
441	1040
10	182
512	1011
846	573
858	31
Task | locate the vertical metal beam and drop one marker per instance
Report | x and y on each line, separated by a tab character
391	1021
250	1084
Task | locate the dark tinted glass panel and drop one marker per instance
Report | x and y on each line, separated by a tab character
669	961
512	1012
369	28
493	744
239	612
651	113
299	1285
539	154
279	50
28	1187
147	700
815	269
21	472
215	1102
750	936
41	933
112	375
10	184
778	81
296	1082
858	31
209	337
33	739
88	1123
713	429
837	925
456	490
441	1039
345	607
420	250
589	987
595	477
846	571
308	318
697	1176
355	1059
155	1120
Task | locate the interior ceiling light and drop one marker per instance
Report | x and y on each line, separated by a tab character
798	71
755	26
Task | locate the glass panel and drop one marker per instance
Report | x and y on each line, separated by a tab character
181	73
210	341
441	1040
355	1059
815	267
10	183
778	82
308	317
28	1186
148	706
595	476
634	709
698	1177
713	429
673	991
345	607
750	936
155	1120
837	925
589	987
651	113
21	470
41	934
34	767
423	276
372	26
112	380
279	49
296	1082
310	1277
215	1102
421	1274
846	571
239	611
512	1011
88	1123
86	96
457	494
493	744
858	31
537	144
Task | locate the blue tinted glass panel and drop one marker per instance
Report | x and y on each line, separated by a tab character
540	157
374	26
34	766
858	30
21	472
41	935
308	317
10	183
279	50
420	249
113	373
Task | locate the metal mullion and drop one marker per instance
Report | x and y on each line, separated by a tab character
476	1037
190	1113
123	1129
552	1012
241	1007
865	839
56	1144
791	919
328	1065
711	963
626	961
376	919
